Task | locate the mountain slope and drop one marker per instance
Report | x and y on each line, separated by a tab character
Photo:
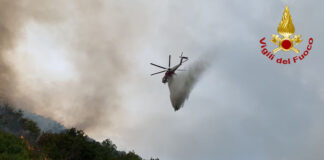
21	138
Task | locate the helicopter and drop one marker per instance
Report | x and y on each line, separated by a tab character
169	72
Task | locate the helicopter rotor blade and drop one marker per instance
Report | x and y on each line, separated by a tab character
158	72
157	66
169	61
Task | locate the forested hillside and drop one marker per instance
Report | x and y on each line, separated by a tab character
22	139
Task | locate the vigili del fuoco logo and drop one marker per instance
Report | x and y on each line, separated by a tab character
286	41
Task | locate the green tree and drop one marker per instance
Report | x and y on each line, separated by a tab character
74	144
14	148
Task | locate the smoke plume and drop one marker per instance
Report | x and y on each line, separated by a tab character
181	84
99	39
13	17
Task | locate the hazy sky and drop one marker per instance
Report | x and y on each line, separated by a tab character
245	107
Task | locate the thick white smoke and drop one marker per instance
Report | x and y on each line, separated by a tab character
181	84
94	40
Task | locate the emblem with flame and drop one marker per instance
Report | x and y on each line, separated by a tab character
286	29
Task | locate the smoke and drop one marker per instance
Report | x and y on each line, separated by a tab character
181	84
99	40
10	22
13	16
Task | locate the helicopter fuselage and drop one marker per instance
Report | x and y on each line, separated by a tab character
168	74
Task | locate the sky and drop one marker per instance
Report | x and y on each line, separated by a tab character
88	66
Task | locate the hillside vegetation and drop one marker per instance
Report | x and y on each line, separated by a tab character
22	139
